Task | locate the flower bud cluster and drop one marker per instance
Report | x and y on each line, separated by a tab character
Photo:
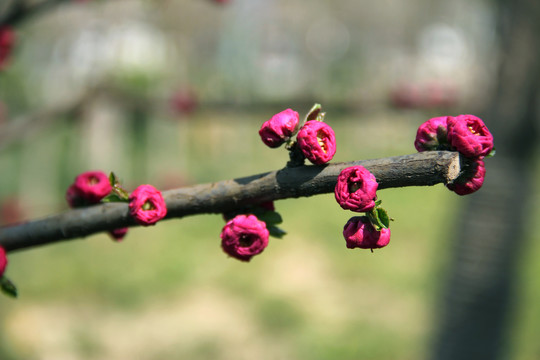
466	134
146	204
315	140
356	190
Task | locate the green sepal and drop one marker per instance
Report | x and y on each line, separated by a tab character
276	231
378	202
492	153
8	287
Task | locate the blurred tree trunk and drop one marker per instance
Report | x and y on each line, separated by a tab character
489	237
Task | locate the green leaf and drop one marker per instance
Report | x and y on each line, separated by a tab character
121	193
276	232
378	202
8	287
373	217
112	198
492	153
113	179
384	220
270	218
320	116
313	112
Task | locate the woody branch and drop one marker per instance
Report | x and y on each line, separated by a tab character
420	169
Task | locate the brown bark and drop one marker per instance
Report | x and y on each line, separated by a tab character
421	169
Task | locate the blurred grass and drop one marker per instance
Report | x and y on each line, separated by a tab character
169	292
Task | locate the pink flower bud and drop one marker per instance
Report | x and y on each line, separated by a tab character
432	135
317	141
279	128
89	188
469	135
244	236
356	189
118	234
360	233
184	101
3	261
7	40
146	205
471	180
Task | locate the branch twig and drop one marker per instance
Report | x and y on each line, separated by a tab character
421	169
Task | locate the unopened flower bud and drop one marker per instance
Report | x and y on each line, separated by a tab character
471	180
317	142
470	136
360	233
89	188
432	135
118	234
279	128
146	205
356	189
244	237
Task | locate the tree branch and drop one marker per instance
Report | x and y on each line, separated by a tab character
421	169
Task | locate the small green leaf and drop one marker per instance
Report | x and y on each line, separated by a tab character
113	179
378	202
112	198
121	193
313	112
320	116
8	287
384	220
373	217
276	232
492	153
270	218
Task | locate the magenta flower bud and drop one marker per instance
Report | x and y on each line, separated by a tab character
118	234
89	188
244	237
360	233
279	128
7	40
356	189
317	142
470	136
471	180
432	135
3	261
74	199
146	205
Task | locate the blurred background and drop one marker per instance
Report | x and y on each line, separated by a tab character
173	93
